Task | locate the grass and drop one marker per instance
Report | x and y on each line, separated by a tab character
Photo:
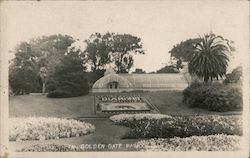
40	105
168	102
107	132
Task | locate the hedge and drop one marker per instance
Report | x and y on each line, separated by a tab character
213	96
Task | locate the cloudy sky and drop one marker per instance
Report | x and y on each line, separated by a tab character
159	24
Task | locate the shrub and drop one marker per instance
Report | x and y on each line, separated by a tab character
213	96
58	93
40	128
194	143
234	77
180	126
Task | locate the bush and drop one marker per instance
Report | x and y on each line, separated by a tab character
234	77
59	94
213	96
194	143
40	128
180	126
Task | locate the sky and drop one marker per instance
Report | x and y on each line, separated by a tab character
160	24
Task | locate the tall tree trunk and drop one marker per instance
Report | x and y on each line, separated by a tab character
44	88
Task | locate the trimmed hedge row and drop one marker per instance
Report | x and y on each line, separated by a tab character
213	96
180	126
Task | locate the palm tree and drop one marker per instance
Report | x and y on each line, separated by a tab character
210	59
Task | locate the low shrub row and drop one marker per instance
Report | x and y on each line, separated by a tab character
213	96
41	128
194	143
158	126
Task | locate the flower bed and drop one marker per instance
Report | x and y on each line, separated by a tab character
194	143
40	128
127	118
165	126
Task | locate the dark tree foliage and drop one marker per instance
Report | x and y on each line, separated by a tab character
234	77
97	50
123	47
168	69
24	79
69	78
45	51
184	50
210	59
112	48
213	96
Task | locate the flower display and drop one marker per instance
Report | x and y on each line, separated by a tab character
41	128
130	117
120	98
165	126
194	143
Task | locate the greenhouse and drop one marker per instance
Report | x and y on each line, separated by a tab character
112	82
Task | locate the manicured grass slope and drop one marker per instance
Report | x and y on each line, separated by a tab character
40	105
168	102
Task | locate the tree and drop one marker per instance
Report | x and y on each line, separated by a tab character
210	59
69	78
124	45
168	69
30	57
112	48
23	71
43	75
23	79
234	77
97	50
185	50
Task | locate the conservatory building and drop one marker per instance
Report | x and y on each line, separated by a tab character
112	82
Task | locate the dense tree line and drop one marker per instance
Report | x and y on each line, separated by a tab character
52	64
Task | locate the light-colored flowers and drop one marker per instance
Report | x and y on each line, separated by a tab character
41	128
195	143
130	117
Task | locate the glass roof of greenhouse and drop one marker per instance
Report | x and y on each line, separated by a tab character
143	80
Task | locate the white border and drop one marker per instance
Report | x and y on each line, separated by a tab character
4	114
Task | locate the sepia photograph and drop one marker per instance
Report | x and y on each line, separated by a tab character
128	78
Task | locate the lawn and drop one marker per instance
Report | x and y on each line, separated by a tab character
40	105
167	102
107	132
